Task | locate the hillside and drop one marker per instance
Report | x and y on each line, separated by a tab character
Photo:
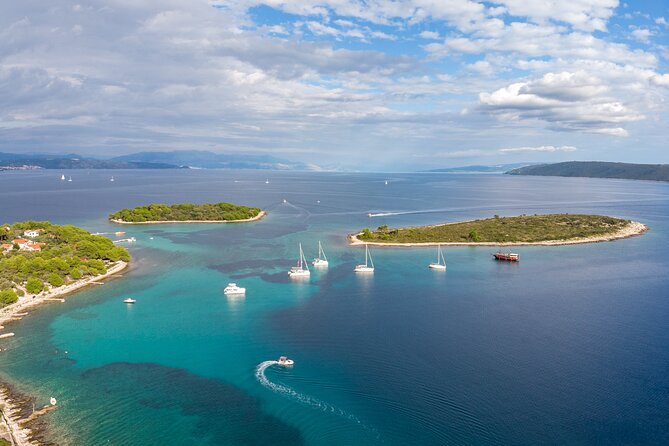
70	161
210	160
598	169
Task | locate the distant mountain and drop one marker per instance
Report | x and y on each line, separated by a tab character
499	168
72	161
598	169
210	160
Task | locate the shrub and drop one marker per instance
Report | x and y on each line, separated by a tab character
7	297
55	280
34	285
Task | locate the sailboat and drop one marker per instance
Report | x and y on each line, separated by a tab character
112	178
441	262
302	269
368	267
69	179
62	177
321	261
267	181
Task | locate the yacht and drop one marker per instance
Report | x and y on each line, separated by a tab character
302	269
285	361
62	177
441	262
53	401
129	300
368	267
321	261
232	288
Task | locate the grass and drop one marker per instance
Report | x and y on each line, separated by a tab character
524	228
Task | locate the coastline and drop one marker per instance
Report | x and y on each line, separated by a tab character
15	420
631	230
260	215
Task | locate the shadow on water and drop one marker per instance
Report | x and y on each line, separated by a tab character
224	414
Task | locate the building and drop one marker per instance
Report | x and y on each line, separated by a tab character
31	233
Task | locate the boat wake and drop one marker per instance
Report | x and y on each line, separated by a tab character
304	399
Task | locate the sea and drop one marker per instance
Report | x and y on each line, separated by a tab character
568	346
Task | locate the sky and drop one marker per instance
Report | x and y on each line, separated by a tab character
343	84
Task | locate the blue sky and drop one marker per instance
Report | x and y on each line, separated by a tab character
382	85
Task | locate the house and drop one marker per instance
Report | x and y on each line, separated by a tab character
31	233
28	245
6	247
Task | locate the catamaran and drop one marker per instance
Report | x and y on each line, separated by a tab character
441	262
302	269
368	267
321	261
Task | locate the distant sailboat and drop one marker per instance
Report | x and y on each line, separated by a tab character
386	182
302	269
321	261
62	177
368	267
267	181
112	178
69	179
441	262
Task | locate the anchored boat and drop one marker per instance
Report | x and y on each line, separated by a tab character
441	262
321	261
506	256
302	269
368	267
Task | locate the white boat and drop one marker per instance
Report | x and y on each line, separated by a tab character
302	269
321	261
69	179
112	178
53	401
129	300
441	262
386	182
62	177
266	181
232	288
285	361
368	267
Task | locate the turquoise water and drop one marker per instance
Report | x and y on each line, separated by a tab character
569	346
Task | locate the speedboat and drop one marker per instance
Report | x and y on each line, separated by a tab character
129	300
232	288
285	361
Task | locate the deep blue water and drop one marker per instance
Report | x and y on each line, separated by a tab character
570	346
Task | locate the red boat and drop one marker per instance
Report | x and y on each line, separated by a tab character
508	256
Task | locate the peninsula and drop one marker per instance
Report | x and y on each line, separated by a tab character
42	262
187	213
597	169
548	229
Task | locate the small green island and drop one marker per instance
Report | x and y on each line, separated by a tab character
547	229
40	258
187	213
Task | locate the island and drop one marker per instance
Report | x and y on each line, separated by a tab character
546	229
187	213
597	169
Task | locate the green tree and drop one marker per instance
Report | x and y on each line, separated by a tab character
7	297
55	280
75	273
474	236
34	285
366	233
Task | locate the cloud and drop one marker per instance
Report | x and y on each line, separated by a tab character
550	149
661	80
642	35
567	101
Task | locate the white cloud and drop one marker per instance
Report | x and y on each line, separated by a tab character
550	149
662	21
661	80
566	101
642	35
430	35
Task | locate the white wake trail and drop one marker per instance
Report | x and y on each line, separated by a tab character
291	393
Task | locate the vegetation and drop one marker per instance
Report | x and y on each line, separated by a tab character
598	169
185	212
522	229
66	253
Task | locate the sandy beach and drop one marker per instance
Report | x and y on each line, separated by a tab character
174	222
12	425
633	229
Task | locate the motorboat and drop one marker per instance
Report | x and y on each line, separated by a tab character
285	361
368	267
129	300
321	261
232	288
